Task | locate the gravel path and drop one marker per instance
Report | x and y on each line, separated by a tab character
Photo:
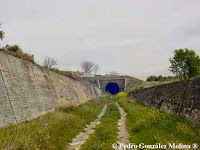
123	134
83	136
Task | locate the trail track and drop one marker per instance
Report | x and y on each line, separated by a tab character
83	136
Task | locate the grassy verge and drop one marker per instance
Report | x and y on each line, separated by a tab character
150	126
106	133
51	131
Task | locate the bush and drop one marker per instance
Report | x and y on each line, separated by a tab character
161	78
13	48
121	95
17	52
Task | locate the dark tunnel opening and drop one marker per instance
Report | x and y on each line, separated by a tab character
112	88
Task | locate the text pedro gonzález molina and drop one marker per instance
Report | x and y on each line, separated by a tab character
155	146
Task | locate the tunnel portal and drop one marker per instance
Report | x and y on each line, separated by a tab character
112	85
112	88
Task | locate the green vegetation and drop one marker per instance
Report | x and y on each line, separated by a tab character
150	126
55	130
185	63
2	33
16	51
135	84
162	78
51	131
106	133
69	74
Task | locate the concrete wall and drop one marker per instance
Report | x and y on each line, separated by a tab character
181	98
27	91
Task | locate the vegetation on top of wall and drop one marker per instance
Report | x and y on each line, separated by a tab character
16	51
69	74
162	78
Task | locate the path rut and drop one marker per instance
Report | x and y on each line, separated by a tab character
123	134
83	136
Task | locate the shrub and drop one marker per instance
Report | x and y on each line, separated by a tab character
17	52
13	48
161	78
121	95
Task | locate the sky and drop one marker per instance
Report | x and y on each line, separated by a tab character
131	37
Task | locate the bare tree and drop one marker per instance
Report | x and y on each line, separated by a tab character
49	62
87	66
114	73
96	69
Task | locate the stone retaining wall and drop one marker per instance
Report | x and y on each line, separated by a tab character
27	90
181	98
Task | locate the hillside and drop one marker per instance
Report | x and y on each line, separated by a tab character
132	82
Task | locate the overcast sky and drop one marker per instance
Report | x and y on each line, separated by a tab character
132	37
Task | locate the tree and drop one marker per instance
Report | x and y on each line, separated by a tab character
160	78
2	33
114	73
87	66
96	69
49	62
185	63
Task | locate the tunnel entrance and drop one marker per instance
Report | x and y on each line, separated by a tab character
112	88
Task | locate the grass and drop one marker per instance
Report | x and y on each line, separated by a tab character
51	131
105	133
55	130
150	126
134	84
20	54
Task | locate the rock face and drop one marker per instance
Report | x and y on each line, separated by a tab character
181	98
27	91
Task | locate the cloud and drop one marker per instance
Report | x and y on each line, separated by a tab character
92	43
134	37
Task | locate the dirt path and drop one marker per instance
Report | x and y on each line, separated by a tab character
83	136
123	134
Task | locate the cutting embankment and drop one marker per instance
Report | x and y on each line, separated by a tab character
28	90
56	130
